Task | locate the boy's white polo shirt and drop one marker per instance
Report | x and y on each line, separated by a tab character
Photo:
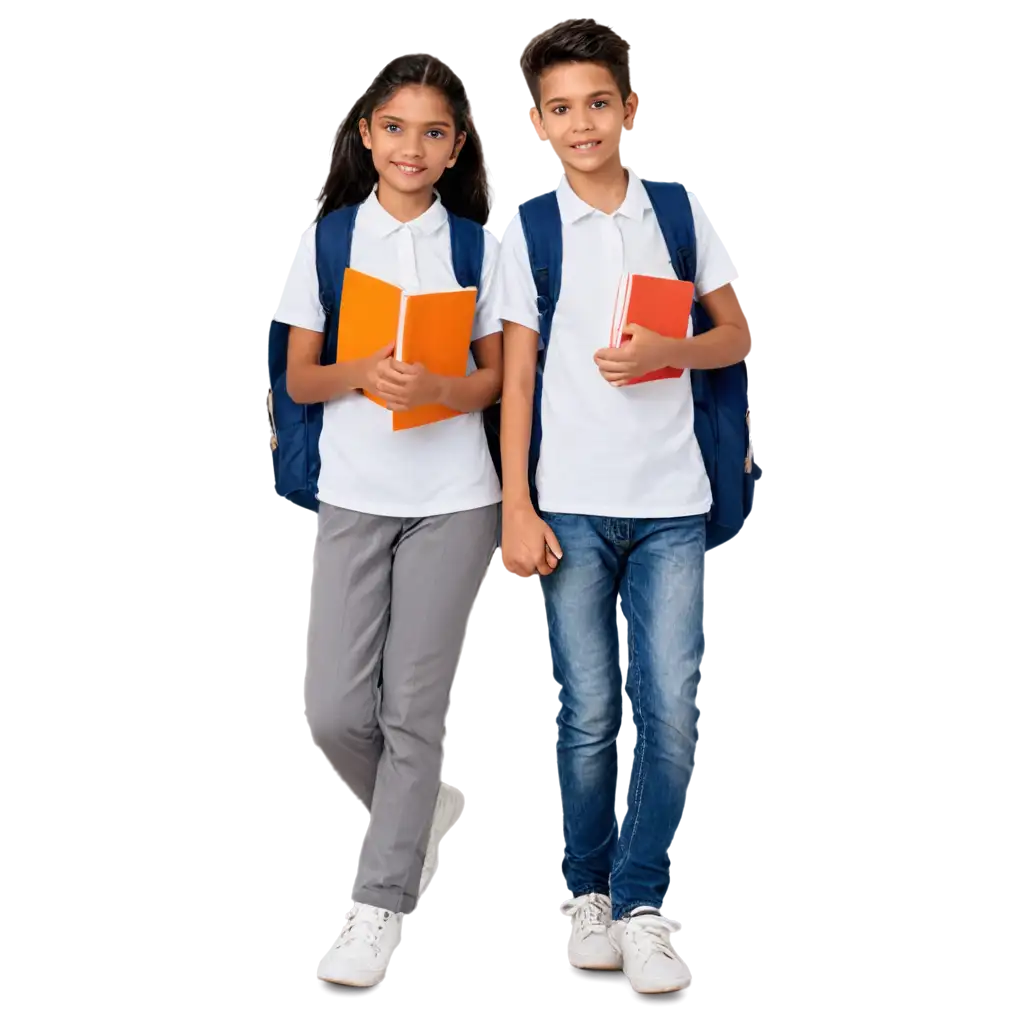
364	465
626	452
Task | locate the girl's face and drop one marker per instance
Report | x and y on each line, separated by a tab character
412	138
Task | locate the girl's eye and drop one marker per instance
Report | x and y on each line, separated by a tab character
388	128
435	133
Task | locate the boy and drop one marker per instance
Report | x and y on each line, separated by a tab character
622	495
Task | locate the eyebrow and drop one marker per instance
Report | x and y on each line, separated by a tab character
592	96
429	124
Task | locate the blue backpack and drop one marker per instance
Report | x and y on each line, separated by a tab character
294	428
721	417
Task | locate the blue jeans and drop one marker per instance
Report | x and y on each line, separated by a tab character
656	566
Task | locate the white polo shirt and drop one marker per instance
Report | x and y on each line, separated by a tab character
364	465
625	452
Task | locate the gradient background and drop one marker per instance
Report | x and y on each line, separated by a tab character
167	839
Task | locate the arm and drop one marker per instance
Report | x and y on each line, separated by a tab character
724	345
308	382
298	304
728	342
481	389
517	413
528	544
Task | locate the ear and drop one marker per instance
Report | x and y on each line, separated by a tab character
459	143
538	124
364	132
630	104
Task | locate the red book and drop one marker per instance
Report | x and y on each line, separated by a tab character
661	304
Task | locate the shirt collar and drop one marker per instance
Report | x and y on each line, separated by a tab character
572	208
380	223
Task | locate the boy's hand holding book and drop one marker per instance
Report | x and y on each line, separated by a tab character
644	353
649	324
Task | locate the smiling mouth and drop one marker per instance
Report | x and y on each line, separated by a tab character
583	147
409	169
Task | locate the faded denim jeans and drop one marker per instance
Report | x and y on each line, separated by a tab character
656	567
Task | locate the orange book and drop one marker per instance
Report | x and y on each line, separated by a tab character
661	304
432	328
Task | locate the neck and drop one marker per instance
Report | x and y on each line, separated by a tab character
603	189
404	206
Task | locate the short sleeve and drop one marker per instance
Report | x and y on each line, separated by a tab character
486	321
300	304
714	267
517	302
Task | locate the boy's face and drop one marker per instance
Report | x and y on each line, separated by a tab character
582	114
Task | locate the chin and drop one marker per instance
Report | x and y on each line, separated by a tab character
398	181
586	163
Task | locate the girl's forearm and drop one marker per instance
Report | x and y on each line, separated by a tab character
309	383
478	391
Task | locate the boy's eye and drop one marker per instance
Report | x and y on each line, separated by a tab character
560	109
599	104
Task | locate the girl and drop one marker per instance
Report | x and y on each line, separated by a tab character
408	520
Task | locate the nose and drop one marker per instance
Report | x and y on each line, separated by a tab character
412	146
583	120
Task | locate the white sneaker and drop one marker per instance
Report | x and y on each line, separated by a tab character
447	811
648	959
589	948
360	955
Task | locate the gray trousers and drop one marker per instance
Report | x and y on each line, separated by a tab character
390	602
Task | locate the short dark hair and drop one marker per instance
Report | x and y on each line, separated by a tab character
578	41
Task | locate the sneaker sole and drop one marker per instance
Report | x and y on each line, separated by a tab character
353	982
660	991
596	967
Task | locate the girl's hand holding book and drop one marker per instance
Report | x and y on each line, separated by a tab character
372	369
406	386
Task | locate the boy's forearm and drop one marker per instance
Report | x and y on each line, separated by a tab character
478	391
721	346
517	413
516	425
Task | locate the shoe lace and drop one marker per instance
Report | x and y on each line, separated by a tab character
590	911
650	933
364	924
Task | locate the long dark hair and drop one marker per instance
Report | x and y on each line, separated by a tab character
463	188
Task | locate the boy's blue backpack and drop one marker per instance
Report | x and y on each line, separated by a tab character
295	428
721	417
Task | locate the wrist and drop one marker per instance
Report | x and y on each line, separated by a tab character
440	389
516	500
675	353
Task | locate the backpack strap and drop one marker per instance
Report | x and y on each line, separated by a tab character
333	253
675	218
541	220
467	239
